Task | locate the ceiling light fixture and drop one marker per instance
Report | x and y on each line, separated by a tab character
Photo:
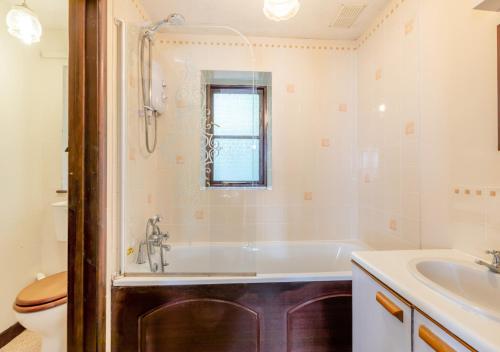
281	10
23	24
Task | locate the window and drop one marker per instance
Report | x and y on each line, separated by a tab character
236	122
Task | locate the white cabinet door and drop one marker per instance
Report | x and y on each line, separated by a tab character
428	337
381	321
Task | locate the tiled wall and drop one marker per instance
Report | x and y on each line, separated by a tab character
142	168
459	123
384	152
431	158
389	129
313	194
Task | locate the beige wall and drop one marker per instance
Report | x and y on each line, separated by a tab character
459	123
54	52
388	129
431	64
31	101
313	128
437	66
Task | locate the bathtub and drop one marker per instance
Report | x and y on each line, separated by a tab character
258	262
263	297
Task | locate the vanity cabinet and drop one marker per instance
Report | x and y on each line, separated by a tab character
385	322
382	321
428	337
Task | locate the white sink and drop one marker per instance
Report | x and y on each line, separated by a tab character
472	286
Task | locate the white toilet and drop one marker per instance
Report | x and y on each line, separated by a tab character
41	307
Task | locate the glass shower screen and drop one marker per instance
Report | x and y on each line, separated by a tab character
187	206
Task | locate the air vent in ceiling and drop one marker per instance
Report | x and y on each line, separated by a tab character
348	15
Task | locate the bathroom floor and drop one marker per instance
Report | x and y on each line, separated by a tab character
26	342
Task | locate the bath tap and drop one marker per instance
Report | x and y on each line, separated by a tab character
140	255
154	238
495	264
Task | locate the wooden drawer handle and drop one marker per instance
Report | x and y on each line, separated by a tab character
433	340
390	306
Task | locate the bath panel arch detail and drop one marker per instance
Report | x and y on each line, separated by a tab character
331	314
200	325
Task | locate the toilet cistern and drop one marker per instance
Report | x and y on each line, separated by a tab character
60	214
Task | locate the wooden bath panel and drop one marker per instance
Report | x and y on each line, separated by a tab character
264	317
321	325
199	325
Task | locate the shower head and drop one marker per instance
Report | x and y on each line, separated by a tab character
175	19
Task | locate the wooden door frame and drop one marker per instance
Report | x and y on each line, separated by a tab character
87	176
498	84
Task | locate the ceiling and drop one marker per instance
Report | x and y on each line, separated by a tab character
312	22
52	14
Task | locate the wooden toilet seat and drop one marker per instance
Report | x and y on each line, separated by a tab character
44	294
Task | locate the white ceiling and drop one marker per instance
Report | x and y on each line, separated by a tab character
52	14
312	21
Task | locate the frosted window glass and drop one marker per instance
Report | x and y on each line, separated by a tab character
236	114
237	160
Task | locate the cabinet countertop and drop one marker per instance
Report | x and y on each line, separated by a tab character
393	269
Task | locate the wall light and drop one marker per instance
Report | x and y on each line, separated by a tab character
281	10
23	24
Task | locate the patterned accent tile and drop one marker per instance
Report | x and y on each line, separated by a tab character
308	196
332	46
131	153
388	12
410	128
290	88
393	225
199	215
409	26
179	160
325	142
367	178
343	107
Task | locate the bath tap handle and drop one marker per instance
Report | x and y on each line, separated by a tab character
156	219
140	255
495	263
166	247
496	256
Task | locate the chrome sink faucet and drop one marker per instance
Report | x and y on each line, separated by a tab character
495	264
154	239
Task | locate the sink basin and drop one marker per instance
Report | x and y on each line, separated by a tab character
468	284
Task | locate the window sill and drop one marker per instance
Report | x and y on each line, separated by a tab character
259	188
